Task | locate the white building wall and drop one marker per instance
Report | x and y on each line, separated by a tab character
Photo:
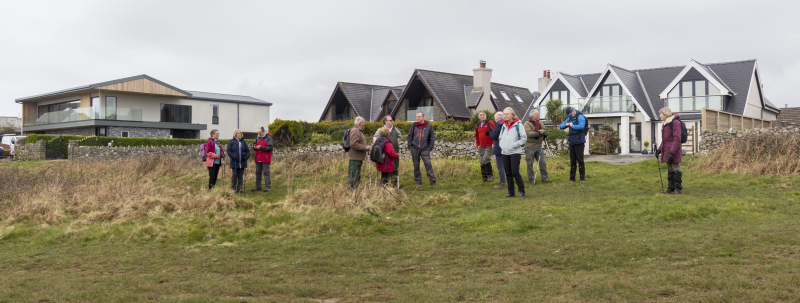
753	107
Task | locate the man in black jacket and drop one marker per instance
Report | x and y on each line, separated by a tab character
420	142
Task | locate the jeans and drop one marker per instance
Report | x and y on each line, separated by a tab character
500	169
511	166
237	177
262	169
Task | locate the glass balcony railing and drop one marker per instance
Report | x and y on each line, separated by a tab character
84	113
543	108
411	113
694	104
609	104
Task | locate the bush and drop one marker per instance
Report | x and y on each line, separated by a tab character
320	139
554	135
286	132
474	121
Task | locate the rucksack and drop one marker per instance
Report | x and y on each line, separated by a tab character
376	152
516	126
684	132
346	140
203	153
585	129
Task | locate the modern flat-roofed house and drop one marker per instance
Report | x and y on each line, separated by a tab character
141	106
629	100
438	95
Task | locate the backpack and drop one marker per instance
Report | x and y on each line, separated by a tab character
376	152
203	153
684	132
585	129
516	126
346	140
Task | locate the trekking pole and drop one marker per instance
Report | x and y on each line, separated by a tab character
658	162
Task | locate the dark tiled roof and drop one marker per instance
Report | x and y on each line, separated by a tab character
737	76
631	81
576	83
472	95
519	107
360	96
379	94
655	80
225	98
789	114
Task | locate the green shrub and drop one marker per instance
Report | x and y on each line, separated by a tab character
474	121
286	132
554	111
319	139
129	141
554	134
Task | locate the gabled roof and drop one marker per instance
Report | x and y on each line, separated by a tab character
101	84
630	82
577	84
519	107
380	94
707	72
473	95
789	114
359	96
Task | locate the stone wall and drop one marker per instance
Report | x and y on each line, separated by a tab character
30	151
120	153
712	139
86	131
138	132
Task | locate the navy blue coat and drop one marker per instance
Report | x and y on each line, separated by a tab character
576	135
496	137
238	153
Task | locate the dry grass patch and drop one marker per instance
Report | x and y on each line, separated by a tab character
764	154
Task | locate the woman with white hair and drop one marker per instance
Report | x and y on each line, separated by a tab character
238	153
512	140
670	151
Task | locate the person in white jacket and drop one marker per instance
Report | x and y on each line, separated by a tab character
512	142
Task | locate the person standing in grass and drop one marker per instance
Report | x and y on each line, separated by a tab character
512	141
357	153
387	167
484	141
239	153
670	150
533	148
394	137
215	153
577	123
421	138
263	159
498	156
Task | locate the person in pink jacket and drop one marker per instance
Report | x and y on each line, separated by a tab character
387	167
670	151
214	153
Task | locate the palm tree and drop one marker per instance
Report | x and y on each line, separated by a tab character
554	111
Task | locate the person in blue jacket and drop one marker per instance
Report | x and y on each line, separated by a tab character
578	127
238	153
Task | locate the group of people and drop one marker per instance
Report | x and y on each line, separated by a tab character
507	138
239	154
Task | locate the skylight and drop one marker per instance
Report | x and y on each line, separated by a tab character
493	96
504	95
518	98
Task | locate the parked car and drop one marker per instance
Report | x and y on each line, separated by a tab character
10	140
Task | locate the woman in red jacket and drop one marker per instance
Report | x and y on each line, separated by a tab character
670	149
387	167
484	143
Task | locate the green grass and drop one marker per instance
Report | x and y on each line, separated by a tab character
615	238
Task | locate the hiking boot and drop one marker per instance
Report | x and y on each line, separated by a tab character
676	192
500	185
490	179
509	196
433	183
266	189
255	189
483	180
668	191
521	194
547	181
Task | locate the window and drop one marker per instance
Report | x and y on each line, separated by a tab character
125	134
493	96
111	108
517	97
58	112
504	95
176	113
95	114
215	114
562	95
693	95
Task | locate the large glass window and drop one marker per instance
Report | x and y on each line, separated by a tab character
58	112
111	108
95	108
562	95
693	95
176	113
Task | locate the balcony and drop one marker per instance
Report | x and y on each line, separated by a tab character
411	113
543	108
609	104
694	104
84	113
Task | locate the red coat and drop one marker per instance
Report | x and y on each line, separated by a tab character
481	139
263	156
671	141
388	164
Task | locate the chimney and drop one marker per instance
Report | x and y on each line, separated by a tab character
544	81
482	77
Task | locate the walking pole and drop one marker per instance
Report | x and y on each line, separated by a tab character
660	176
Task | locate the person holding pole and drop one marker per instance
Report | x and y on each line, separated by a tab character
239	153
394	137
387	167
670	150
484	141
533	147
214	152
263	159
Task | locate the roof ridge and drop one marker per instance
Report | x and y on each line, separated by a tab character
343	82
511	85
731	62
619	67
197	91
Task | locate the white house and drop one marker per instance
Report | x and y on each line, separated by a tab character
141	106
629	100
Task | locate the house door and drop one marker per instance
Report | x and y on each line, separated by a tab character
636	137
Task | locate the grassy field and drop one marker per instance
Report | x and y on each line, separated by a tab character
147	230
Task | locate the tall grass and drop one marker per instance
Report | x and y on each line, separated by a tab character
765	154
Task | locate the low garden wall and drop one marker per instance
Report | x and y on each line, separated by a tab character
32	151
712	139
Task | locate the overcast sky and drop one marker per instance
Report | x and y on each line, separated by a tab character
292	53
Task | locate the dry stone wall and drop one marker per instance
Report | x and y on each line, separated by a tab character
115	153
712	139
32	151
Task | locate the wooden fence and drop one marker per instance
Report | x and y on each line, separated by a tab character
718	120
